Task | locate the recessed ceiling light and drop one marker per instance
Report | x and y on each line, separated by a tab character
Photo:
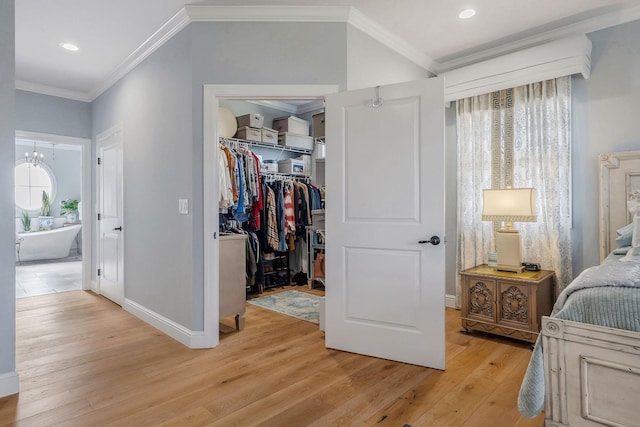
69	46
466	14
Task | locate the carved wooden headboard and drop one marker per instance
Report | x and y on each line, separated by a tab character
619	181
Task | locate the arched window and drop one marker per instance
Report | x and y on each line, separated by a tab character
30	182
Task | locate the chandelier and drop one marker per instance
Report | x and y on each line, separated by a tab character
35	158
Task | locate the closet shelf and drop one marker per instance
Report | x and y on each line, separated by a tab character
270	146
285	175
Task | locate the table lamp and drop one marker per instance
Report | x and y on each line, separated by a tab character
509	205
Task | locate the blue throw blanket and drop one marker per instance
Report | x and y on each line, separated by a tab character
609	296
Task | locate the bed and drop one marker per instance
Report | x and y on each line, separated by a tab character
585	366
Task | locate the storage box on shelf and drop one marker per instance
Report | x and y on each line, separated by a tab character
269	136
291	124
318	125
293	167
269	166
249	133
294	140
250	120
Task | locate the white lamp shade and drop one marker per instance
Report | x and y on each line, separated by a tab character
509	205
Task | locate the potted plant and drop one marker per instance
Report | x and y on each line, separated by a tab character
69	207
26	221
45	219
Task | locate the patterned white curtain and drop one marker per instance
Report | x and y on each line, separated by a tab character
519	137
474	174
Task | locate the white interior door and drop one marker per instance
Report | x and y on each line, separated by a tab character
385	194
110	208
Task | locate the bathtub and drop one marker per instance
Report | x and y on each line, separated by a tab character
49	244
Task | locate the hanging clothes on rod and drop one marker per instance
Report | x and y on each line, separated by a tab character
272	208
239	176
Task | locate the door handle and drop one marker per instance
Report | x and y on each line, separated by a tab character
434	240
118	228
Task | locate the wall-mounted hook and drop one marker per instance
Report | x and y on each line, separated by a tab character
377	101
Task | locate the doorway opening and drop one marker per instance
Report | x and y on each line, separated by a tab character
53	227
287	139
229	97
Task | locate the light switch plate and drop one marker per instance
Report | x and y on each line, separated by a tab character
183	206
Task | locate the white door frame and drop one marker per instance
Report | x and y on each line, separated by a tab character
86	193
211	95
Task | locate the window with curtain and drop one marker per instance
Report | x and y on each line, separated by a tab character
518	137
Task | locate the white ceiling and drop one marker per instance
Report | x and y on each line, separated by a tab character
109	32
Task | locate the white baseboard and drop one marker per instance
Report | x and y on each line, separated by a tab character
450	301
9	384
187	337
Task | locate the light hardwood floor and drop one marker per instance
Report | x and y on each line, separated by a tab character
84	361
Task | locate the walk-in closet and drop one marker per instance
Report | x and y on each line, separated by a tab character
270	174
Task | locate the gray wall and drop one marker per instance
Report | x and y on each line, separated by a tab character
159	105
49	114
7	148
370	63
605	119
152	103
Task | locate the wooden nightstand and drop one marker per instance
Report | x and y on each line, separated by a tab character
505	303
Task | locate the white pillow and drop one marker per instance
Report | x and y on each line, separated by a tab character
634	253
626	229
635	240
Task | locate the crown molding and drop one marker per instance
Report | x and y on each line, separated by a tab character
349	15
586	26
278	105
312	105
210	13
173	26
52	91
360	21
